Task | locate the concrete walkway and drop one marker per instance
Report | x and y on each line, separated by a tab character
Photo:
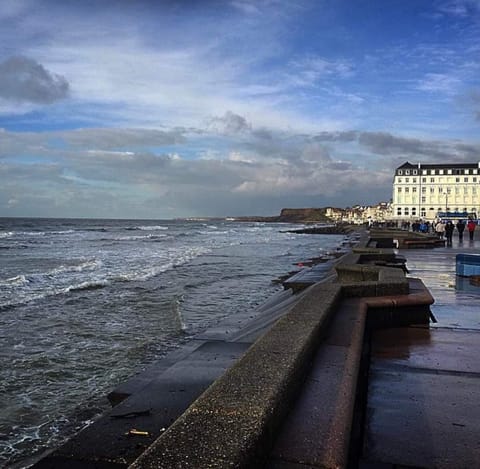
424	385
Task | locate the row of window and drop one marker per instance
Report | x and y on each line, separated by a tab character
407	211
407	172
439	190
432	180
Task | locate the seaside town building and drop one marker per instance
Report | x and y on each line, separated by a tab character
360	214
436	191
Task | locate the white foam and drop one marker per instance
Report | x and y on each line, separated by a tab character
152	228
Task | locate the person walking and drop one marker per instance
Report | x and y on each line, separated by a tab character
449	227
471	225
440	229
460	229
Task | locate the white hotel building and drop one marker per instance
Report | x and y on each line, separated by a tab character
428	191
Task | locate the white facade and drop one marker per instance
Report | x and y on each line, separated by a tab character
426	191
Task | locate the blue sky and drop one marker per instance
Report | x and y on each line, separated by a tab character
162	109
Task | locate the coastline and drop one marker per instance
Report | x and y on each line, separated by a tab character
230	337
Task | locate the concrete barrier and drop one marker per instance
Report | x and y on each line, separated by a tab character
237	421
234	423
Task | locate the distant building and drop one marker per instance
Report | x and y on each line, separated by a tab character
334	213
360	214
430	191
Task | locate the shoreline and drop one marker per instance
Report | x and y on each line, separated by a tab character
228	337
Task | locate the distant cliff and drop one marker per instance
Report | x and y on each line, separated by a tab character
304	215
293	215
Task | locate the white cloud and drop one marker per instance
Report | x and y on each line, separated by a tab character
439	83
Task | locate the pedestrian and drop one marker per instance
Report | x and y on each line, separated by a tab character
460	229
449	227
471	225
440	229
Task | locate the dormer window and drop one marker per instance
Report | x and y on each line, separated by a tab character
400	172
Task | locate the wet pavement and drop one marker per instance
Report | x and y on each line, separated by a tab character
424	385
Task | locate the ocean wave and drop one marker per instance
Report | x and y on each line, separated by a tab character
88	265
153	227
6	234
17	280
88	285
141	237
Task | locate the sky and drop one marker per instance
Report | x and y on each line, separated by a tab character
172	109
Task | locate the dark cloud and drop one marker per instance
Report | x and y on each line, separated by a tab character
428	151
24	80
341	136
111	139
229	124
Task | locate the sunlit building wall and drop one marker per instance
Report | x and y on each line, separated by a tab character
423	191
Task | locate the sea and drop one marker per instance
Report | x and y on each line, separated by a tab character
84	304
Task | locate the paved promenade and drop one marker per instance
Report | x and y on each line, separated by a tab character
424	389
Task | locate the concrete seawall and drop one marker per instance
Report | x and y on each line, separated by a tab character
287	398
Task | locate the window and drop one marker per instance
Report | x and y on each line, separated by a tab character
424	190
399	180
441	171
400	172
423	212
474	179
399	189
414	211
449	171
407	172
432	190
424	199
407	189
414	189
466	171
457	179
406	210
414	180
399	211
424	180
432	179
414	172
465	179
407	179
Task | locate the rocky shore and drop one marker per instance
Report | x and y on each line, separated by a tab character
331	229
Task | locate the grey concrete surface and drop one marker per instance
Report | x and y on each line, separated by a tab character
316	432
423	398
424	385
